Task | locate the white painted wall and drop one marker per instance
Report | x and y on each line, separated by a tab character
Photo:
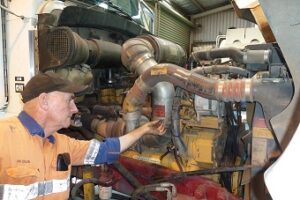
20	48
2	84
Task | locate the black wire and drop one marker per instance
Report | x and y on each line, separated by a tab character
231	150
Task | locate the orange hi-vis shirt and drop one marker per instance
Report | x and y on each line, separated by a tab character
28	161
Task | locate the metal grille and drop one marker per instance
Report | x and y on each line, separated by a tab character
59	44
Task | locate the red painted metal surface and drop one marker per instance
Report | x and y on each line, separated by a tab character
188	188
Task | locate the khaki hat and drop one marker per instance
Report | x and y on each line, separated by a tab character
49	82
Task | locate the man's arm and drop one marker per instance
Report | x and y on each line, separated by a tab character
96	152
155	128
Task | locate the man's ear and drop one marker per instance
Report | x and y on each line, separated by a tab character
43	101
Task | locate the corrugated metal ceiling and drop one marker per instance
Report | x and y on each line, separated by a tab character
192	7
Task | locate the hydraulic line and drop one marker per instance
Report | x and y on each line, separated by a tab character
218	170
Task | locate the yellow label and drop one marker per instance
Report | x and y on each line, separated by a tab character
158	71
262	133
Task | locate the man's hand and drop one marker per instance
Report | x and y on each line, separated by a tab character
155	127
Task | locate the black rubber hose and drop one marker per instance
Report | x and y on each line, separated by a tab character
246	57
79	184
176	122
221	69
230	52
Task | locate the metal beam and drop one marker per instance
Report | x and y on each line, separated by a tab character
212	11
198	4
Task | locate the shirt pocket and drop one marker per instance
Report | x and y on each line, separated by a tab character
22	174
55	174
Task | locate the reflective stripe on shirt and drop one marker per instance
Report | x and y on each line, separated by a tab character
16	192
92	152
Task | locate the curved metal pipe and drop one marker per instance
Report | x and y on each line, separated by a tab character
247	57
224	90
142	53
162	100
221	69
166	51
137	55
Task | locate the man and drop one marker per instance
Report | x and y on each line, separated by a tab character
34	159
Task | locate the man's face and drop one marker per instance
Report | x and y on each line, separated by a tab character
61	108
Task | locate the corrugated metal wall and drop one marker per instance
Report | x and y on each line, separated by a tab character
174	30
171	28
209	27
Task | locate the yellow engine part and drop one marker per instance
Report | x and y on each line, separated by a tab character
89	187
110	96
151	155
200	144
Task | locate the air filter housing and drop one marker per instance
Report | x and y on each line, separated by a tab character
60	47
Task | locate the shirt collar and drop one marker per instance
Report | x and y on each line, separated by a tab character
33	127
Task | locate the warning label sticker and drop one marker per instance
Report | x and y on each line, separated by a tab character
159	110
158	71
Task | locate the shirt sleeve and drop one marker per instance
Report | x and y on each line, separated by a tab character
109	151
94	151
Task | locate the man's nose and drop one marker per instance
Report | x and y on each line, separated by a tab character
74	108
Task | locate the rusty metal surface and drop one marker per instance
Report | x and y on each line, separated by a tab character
285	26
262	23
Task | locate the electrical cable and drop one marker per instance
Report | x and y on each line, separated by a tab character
10	12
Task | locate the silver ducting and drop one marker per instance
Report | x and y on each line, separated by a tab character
139	55
162	101
224	90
